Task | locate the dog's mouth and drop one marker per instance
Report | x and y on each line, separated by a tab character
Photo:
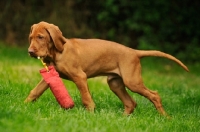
40	58
36	56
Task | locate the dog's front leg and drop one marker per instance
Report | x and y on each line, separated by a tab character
37	91
81	83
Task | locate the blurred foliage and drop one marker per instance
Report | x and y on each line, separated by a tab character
172	26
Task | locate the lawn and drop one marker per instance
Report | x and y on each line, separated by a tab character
179	90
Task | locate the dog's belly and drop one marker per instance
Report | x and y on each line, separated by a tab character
94	71
101	68
103	73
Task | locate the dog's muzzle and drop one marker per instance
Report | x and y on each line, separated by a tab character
32	53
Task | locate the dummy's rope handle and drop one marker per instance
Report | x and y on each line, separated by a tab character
44	64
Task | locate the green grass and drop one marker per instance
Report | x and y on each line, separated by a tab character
179	90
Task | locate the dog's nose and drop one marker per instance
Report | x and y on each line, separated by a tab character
31	52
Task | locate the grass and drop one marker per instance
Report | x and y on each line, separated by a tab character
179	90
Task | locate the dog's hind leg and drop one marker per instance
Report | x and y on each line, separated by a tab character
149	94
133	80
117	86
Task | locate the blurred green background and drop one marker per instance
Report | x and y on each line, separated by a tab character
172	26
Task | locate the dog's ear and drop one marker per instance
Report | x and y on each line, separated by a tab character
57	37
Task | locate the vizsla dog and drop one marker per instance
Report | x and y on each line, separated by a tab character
79	59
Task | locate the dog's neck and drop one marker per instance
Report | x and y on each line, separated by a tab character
50	59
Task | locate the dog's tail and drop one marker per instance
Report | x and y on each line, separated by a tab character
143	53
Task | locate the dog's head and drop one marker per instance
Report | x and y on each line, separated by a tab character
45	38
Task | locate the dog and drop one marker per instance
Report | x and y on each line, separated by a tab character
78	59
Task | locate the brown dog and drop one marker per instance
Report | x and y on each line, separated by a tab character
79	59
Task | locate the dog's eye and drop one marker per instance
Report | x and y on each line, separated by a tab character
40	37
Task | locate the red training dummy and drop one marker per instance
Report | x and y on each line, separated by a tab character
57	87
